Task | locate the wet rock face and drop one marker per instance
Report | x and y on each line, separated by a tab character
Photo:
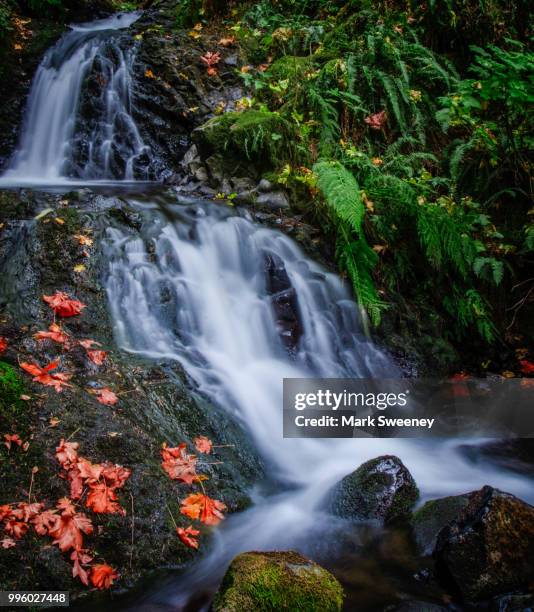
489	549
381	489
266	581
283	300
431	518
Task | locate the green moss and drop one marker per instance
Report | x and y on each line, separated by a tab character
278	581
290	67
259	136
12	408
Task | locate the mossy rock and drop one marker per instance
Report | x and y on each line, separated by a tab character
259	136
435	514
488	550
290	67
269	581
381	489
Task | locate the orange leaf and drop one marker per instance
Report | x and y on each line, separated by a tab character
69	529
97	357
80	558
107	397
67	453
12	439
54	333
103	500
62	305
188	536
102	576
527	367
87	344
204	508
42	375
7	542
203	444
178	464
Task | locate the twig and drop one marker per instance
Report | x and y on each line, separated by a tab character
172	517
73	434
133	527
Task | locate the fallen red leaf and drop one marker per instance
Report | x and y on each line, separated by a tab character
97	357
12	439
203	444
102	576
67	454
43	376
527	367
45	521
376	121
80	558
178	464
188	536
69	528
62	305
3	344
54	333
7	542
87	344
103	500
106	396
204	508
16	528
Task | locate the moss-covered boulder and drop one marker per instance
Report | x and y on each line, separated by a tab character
269	581
489	549
432	517
262	137
381	489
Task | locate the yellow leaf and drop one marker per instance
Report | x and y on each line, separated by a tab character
79	268
59	221
194	34
54	422
508	374
149	74
83	240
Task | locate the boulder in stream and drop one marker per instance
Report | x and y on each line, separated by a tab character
433	516
381	489
489	549
261	581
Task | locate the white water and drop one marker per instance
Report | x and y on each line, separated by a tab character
215	317
57	144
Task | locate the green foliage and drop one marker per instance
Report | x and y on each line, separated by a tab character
5	14
342	196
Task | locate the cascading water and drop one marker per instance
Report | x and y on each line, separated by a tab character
199	289
78	124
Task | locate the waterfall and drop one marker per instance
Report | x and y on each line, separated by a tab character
78	124
205	288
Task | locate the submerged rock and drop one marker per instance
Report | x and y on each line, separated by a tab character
381	489
489	549
261	581
433	516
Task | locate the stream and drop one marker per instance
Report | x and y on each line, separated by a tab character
191	286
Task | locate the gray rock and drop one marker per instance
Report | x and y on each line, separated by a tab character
381	489
285	580
201	174
489	549
514	602
432	517
264	185
273	200
240	184
191	155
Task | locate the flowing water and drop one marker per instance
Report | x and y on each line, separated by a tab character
237	304
78	124
196	289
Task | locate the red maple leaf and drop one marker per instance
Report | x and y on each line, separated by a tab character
80	558
204	508
188	536
69	528
67	454
26	512
203	444
62	305
87	344
527	367
45	521
10	439
103	500
178	464
106	396
43	376
97	357
376	121
7	542
54	333
16	528
102	576
3	344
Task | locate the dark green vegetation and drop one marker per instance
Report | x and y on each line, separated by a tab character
411	143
